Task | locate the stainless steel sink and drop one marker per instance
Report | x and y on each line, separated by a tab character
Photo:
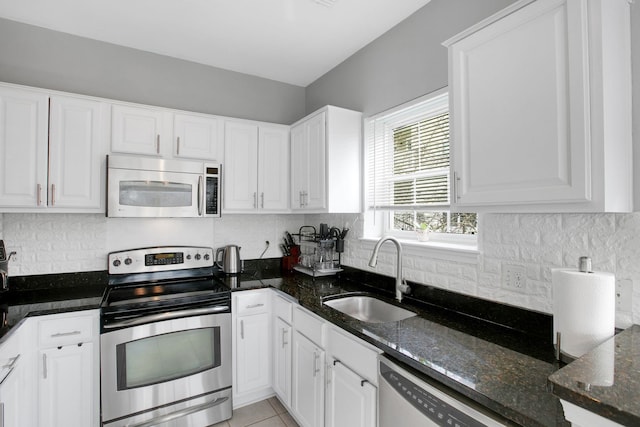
369	309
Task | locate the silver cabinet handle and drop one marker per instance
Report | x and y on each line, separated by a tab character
158	144
242	328
65	334
255	305
166	316
53	194
44	366
284	337
10	367
11	364
316	359
262	200
178	147
39	194
181	413
200	196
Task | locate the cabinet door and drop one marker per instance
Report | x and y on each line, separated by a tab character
308	164
316	182
13	383
351	400
299	156
66	386
273	169
23	148
308	381
137	130
252	359
282	361
198	137
520	108
77	151
240	166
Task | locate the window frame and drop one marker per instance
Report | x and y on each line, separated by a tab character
382	217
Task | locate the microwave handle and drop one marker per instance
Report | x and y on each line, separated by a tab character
200	196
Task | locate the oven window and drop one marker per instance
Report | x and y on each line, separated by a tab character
167	357
156	194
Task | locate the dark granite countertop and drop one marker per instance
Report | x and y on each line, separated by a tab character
498	367
49	294
606	380
498	356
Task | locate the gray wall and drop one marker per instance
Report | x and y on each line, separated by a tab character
39	57
409	61
406	62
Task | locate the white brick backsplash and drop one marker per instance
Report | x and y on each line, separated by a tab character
57	243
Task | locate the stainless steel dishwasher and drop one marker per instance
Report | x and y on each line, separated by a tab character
409	401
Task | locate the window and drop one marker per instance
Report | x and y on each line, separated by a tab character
408	169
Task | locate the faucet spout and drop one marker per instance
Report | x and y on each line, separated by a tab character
401	287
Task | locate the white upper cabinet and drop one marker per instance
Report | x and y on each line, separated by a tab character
541	108
198	136
142	129
23	147
53	151
256	174
325	161
77	148
138	130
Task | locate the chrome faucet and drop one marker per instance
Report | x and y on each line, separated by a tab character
401	286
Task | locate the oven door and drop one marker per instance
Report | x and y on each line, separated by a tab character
146	193
157	364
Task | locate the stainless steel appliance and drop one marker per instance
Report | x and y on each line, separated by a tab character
231	262
147	187
165	340
405	397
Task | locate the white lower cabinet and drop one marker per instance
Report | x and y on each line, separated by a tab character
282	343
251	346
351	400
580	417
64	387
68	369
16	386
352	381
308	381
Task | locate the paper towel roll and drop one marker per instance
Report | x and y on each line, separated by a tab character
584	309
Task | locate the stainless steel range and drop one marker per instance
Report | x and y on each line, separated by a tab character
165	340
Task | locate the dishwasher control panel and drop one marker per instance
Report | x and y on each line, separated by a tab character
435	407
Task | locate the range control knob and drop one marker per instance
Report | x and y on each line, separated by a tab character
128	261
116	263
188	256
197	257
206	257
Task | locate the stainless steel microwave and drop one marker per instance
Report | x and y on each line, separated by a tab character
147	187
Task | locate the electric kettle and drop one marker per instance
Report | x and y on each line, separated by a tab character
231	262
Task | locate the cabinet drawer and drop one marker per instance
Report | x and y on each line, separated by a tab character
282	308
309	325
359	356
54	331
251	302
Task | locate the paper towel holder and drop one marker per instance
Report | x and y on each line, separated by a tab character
584	264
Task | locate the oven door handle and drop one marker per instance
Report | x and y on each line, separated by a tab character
181	413
167	316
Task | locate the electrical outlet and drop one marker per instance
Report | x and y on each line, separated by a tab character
624	291
513	276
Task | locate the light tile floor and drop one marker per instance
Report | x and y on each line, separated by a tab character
266	413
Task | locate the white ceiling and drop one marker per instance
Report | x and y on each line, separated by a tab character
292	41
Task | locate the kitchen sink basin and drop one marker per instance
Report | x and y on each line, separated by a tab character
369	309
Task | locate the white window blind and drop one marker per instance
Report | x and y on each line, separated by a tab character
408	156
